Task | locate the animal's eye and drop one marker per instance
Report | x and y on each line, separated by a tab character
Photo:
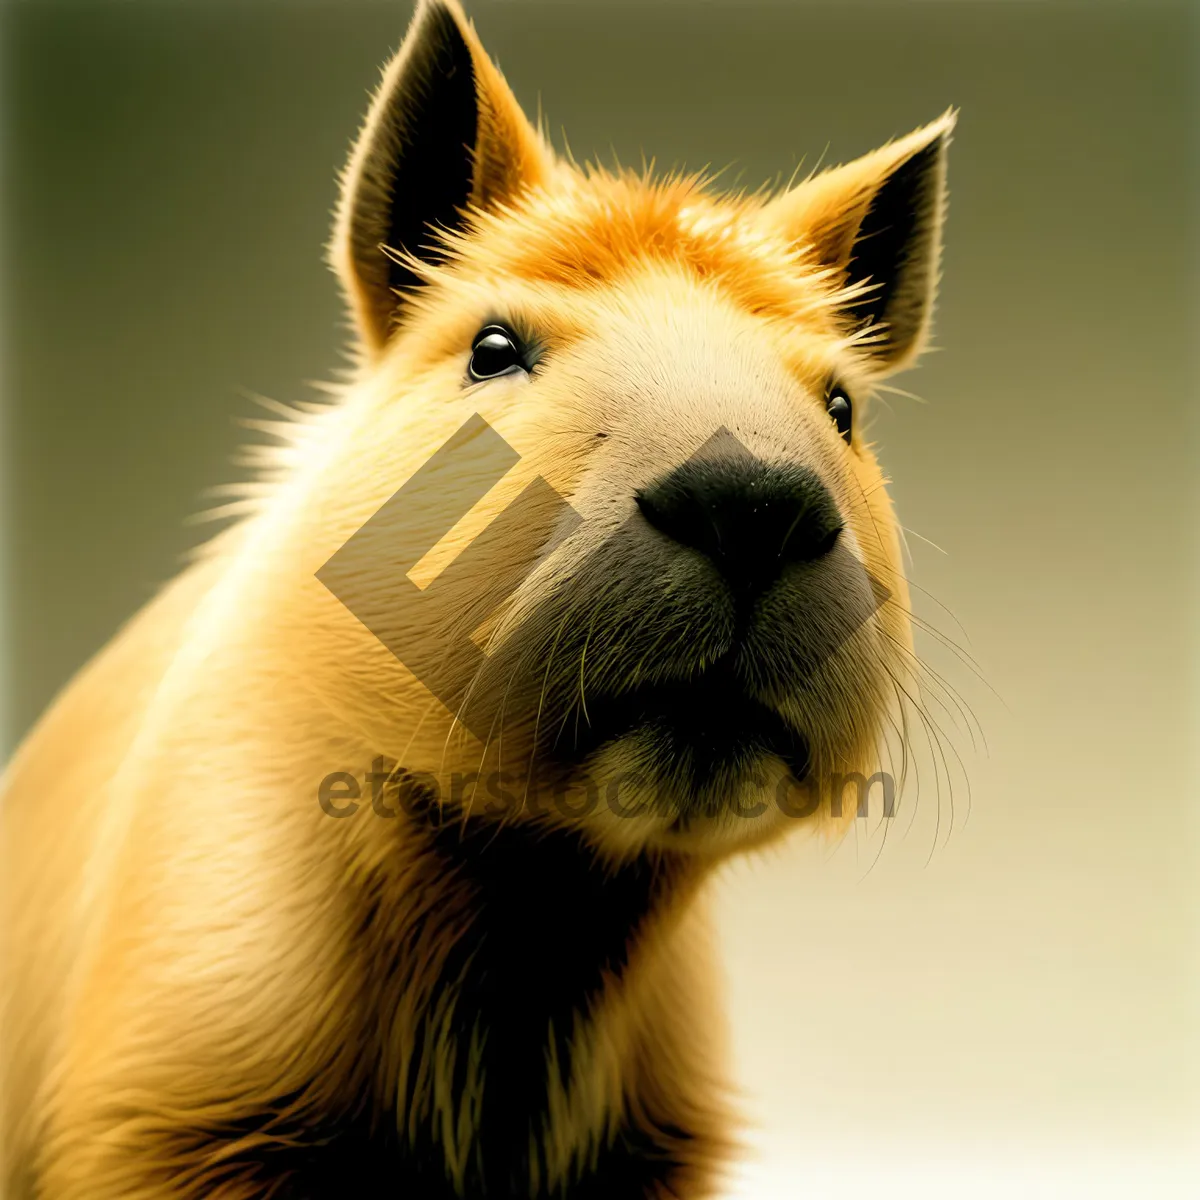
495	351
838	406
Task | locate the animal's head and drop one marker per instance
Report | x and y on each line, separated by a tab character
666	568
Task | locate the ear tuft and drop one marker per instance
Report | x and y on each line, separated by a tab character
443	134
877	222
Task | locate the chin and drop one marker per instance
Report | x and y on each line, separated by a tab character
696	766
665	806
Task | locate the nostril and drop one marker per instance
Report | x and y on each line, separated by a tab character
814	535
650	510
828	542
683	514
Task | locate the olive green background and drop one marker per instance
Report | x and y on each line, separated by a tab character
1016	1011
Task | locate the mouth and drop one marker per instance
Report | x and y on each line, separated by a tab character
701	732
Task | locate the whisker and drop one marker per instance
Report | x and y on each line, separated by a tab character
892	390
922	538
970	721
537	723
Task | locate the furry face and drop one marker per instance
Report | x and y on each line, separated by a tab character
713	622
590	565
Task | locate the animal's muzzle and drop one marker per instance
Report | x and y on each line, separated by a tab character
750	519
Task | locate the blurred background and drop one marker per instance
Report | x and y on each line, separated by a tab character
952	1004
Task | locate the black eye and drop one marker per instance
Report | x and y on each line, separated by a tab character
837	405
495	351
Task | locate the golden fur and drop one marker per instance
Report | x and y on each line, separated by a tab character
197	958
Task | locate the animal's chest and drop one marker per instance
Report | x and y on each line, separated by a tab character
632	1165
550	929
492	1061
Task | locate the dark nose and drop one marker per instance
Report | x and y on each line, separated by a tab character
749	518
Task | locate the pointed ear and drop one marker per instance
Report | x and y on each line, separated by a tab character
878	222
444	134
